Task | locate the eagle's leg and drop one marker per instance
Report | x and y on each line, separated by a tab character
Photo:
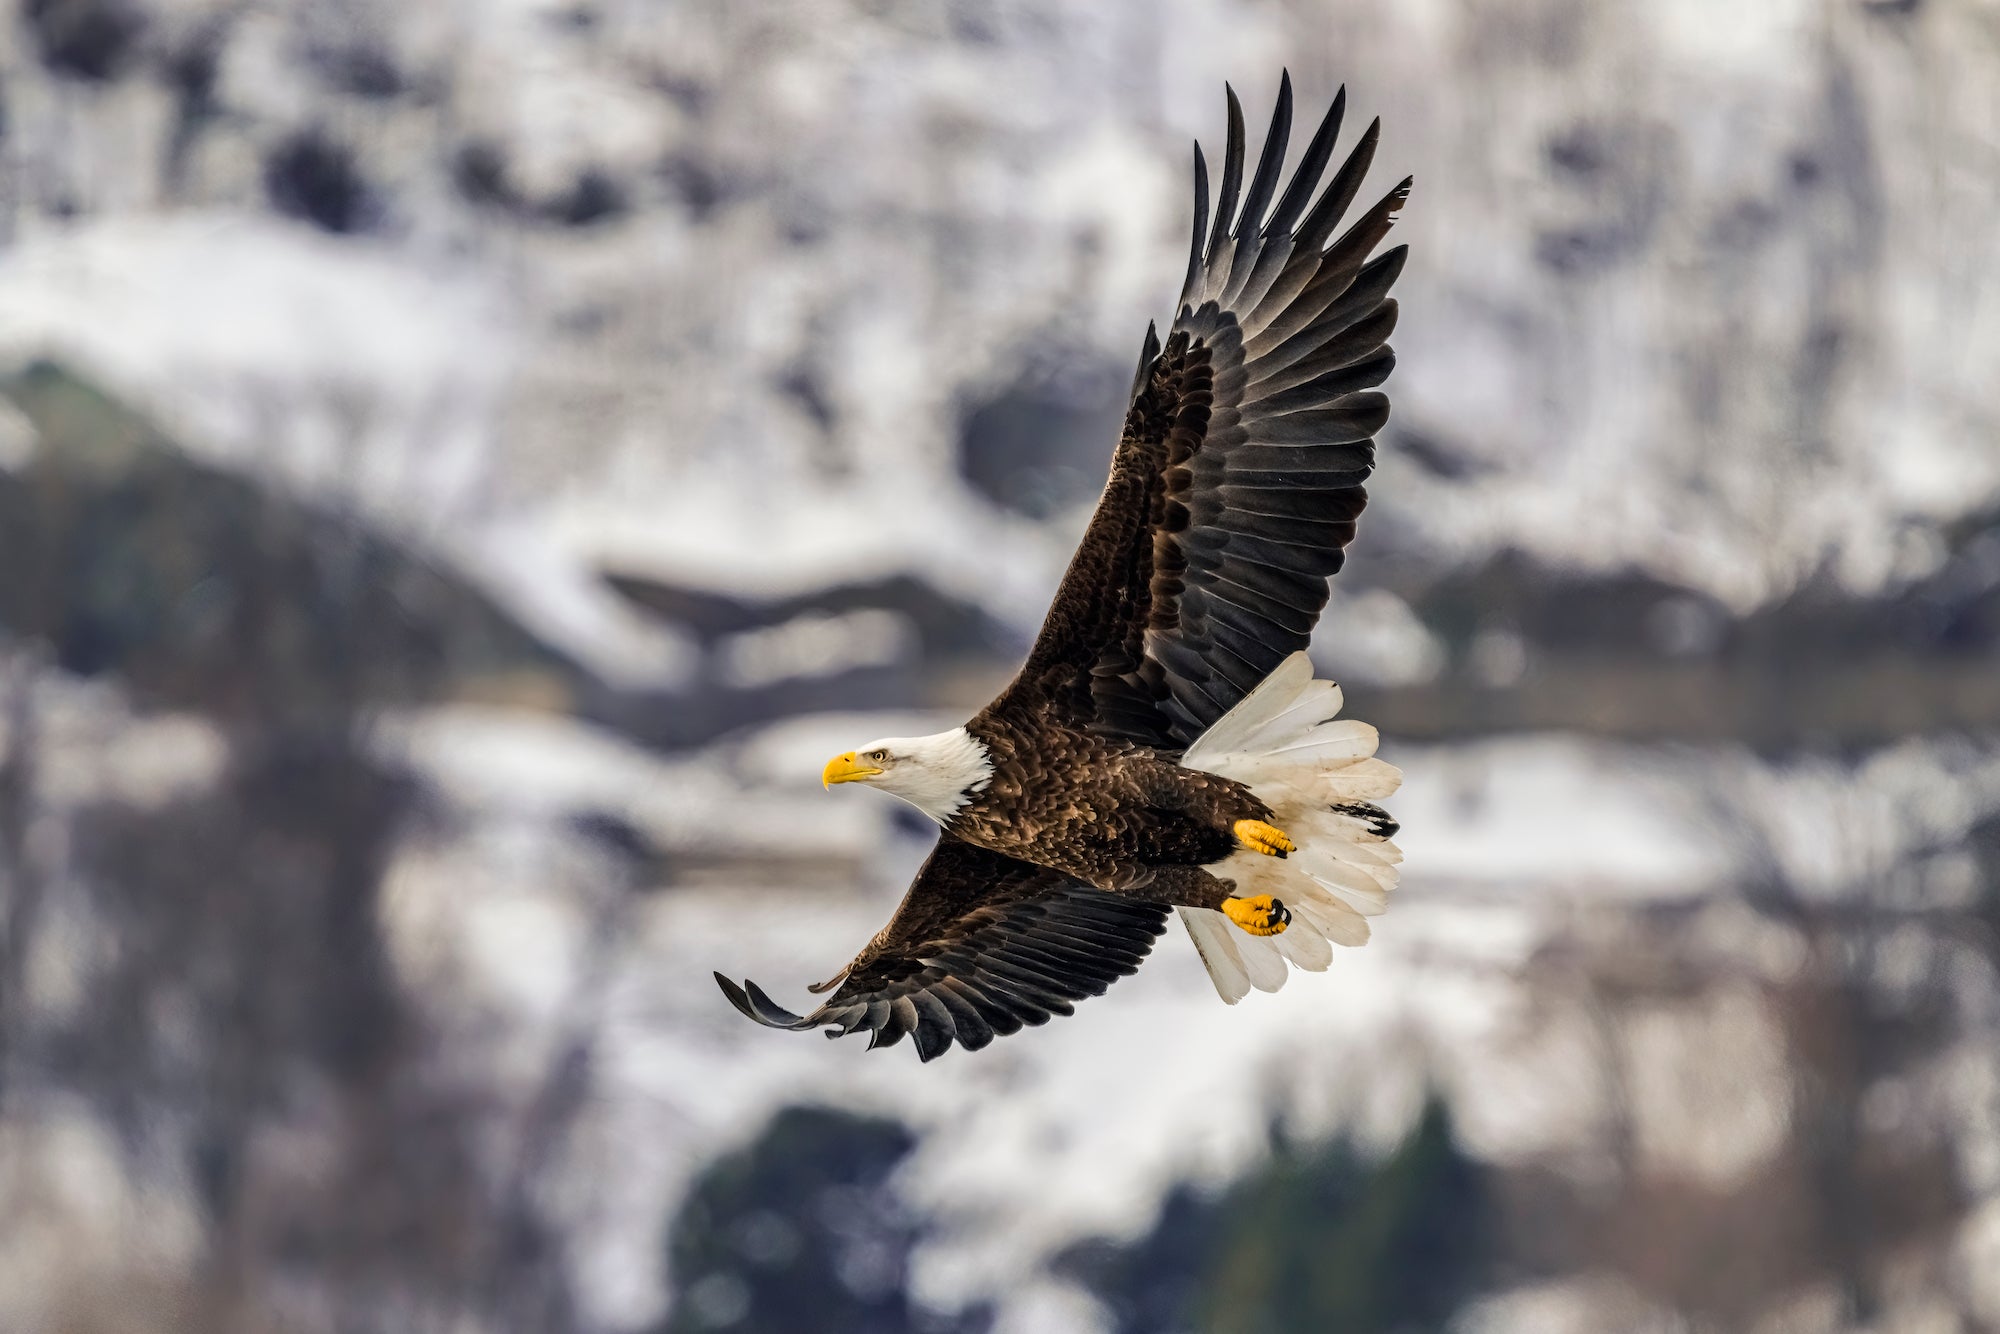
1182	886
1217	803
1260	837
1194	887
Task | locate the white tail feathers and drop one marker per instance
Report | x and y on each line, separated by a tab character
1319	775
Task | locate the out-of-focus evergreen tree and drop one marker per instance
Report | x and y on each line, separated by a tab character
801	1230
1318	1239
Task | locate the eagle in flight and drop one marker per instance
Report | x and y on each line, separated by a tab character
1165	746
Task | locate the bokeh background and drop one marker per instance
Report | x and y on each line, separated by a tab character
463	466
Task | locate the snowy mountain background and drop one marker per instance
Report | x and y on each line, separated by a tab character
462	468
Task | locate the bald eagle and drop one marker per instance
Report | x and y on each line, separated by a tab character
1165	746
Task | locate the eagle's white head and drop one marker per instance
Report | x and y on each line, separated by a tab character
936	774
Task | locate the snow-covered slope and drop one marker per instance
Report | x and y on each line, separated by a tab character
705	292
1695	287
1515	850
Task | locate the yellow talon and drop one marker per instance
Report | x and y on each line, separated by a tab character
1261	916
1260	837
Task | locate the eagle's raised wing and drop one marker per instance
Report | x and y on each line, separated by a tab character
981	946
1236	484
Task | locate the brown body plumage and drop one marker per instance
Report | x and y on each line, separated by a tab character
1232	495
1115	815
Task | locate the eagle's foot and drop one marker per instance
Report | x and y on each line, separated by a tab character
1260	916
1260	837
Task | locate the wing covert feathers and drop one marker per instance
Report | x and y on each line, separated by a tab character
982	946
1240	477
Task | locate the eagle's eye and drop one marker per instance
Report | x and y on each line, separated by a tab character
876	756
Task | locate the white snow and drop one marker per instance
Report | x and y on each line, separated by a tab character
1754	340
1504	841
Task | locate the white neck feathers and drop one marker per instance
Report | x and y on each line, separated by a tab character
938	774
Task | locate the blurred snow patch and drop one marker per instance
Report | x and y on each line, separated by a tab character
568	604
493	915
1046	1307
88	1245
1571	814
1827	825
1375	637
1553	813
146	761
1499	657
1707	1085
502	766
815	644
17	438
1979	1262
90	745
760	534
330	366
1567	1306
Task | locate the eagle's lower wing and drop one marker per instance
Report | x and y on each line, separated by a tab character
1238	479
982	945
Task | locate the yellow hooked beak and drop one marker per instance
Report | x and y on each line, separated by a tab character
846	769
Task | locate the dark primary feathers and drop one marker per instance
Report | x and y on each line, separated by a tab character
1233	493
982	945
1238	480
